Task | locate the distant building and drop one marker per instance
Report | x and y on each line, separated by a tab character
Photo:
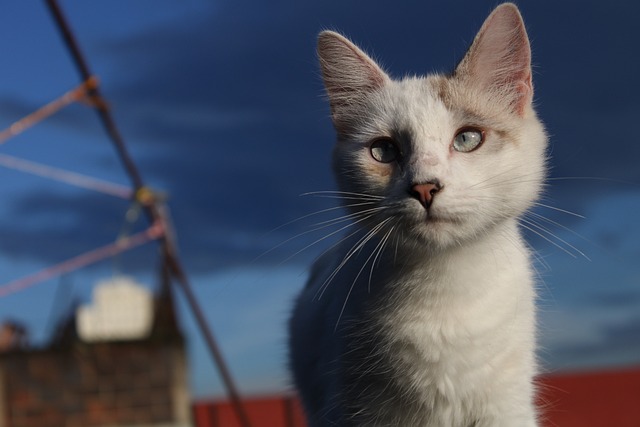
13	336
114	374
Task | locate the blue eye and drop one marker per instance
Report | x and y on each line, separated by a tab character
384	150
468	139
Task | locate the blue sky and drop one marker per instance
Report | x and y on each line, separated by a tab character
221	104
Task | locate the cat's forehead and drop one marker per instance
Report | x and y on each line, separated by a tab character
471	105
434	104
415	101
415	105
420	93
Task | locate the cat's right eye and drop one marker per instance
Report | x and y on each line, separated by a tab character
384	150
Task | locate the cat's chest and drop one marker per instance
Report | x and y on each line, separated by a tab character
457	301
439	347
455	316
451	313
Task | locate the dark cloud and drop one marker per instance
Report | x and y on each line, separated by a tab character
261	73
55	226
616	301
586	92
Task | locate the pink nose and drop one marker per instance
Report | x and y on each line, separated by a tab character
424	193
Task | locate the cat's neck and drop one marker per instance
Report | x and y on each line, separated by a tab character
498	238
405	270
455	269
460	285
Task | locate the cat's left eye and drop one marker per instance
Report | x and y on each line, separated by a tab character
468	139
384	150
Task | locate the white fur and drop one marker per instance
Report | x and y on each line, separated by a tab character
426	318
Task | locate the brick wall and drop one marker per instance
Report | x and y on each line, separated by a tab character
103	384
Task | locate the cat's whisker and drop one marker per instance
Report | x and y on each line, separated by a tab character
342	195
344	239
550	233
326	236
351	251
519	179
493	177
395	252
346	258
538	257
532	222
540	230
348	217
355	280
344	218
557	224
514	181
355	248
377	257
594	178
320	212
548	240
542	205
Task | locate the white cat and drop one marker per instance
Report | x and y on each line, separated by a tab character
425	315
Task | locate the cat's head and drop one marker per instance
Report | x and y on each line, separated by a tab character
445	157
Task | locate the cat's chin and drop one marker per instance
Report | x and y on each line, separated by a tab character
436	233
440	232
438	220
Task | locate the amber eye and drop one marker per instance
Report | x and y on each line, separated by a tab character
384	150
468	139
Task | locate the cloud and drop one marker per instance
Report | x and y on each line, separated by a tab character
51	226
258	84
612	343
589	309
43	221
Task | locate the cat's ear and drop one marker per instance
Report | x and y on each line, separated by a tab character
499	60
348	74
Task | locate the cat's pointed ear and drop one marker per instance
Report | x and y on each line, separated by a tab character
499	60
348	73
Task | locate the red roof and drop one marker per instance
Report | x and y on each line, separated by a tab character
273	411
586	399
591	399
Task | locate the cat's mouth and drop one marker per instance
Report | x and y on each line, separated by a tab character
433	218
